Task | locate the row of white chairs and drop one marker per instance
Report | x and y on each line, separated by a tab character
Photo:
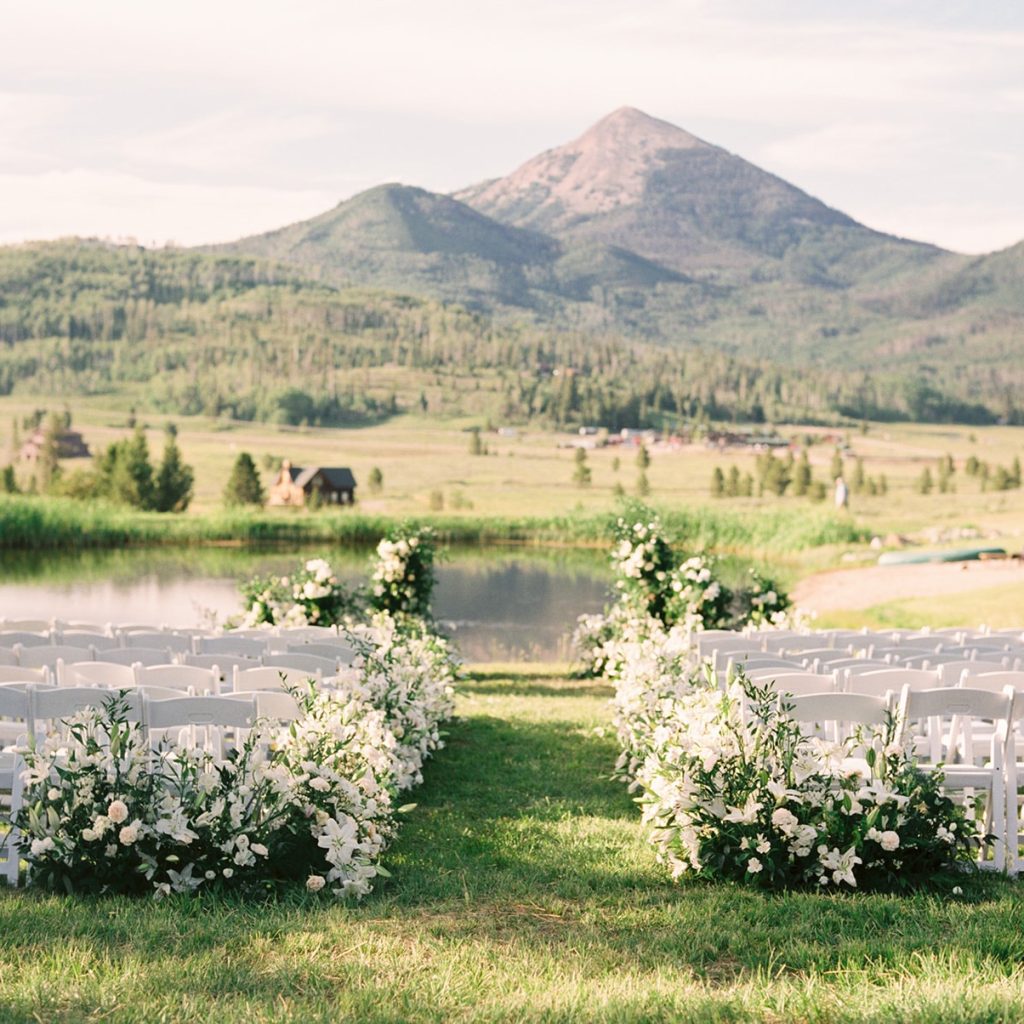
968	731
226	652
207	721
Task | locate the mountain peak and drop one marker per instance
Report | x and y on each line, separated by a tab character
604	168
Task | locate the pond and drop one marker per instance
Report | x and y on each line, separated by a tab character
498	604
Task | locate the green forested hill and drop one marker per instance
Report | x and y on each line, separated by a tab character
635	273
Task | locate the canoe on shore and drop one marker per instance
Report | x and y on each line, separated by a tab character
920	557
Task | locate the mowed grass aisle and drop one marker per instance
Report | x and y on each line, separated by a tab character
522	889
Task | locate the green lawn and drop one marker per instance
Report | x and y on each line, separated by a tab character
522	889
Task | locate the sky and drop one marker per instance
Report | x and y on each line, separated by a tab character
205	121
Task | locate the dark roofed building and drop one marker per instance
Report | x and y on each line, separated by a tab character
331	485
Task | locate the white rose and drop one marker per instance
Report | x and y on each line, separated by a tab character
889	841
128	834
259	849
41	846
228	872
754	866
315	883
89	835
117	811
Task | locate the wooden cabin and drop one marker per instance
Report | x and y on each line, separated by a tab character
330	485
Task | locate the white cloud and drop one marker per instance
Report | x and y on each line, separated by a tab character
880	110
102	204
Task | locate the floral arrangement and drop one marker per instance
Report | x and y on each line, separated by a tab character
315	799
311	596
660	590
735	790
402	581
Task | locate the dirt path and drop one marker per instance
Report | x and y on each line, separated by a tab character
853	589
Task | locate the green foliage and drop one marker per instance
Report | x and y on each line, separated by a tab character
717	483
244	486
803	477
8	481
375	480
174	480
581	471
925	483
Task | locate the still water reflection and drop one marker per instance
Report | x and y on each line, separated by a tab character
497	605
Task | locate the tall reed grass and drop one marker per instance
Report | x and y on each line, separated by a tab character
31	523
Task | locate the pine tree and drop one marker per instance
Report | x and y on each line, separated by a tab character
244	486
643	459
643	485
47	463
375	481
746	488
581	474
476	446
717	483
732	484
8	481
925	482
131	476
835	469
859	481
174	480
803	476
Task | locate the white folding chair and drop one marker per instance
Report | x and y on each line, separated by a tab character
38	657
298	634
923	714
270	678
339	651
312	663
274	705
187	679
835	716
951	673
55	704
246	647
883	681
19	637
106	674
26	625
178	643
80	638
17	675
189	717
796	683
8	656
14	710
139	656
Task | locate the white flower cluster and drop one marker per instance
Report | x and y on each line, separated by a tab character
104	811
311	596
403	574
732	788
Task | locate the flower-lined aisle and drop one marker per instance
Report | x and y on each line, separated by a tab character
314	799
730	785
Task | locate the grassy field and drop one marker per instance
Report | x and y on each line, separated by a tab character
529	475
522	890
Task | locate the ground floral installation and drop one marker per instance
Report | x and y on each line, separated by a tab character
314	799
729	784
666	596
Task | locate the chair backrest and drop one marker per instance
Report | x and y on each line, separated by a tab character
996	680
49	704
791	644
304	662
139	656
273	704
205	718
951	672
800	683
81	638
882	681
706	645
175	642
12	638
17	674
107	674
224	663
856	666
836	716
183	678
925	712
763	661
246	647
270	678
14	713
37	657
8	656
301	633
341	652
28	625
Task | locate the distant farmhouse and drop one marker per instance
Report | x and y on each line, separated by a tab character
330	485
70	445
